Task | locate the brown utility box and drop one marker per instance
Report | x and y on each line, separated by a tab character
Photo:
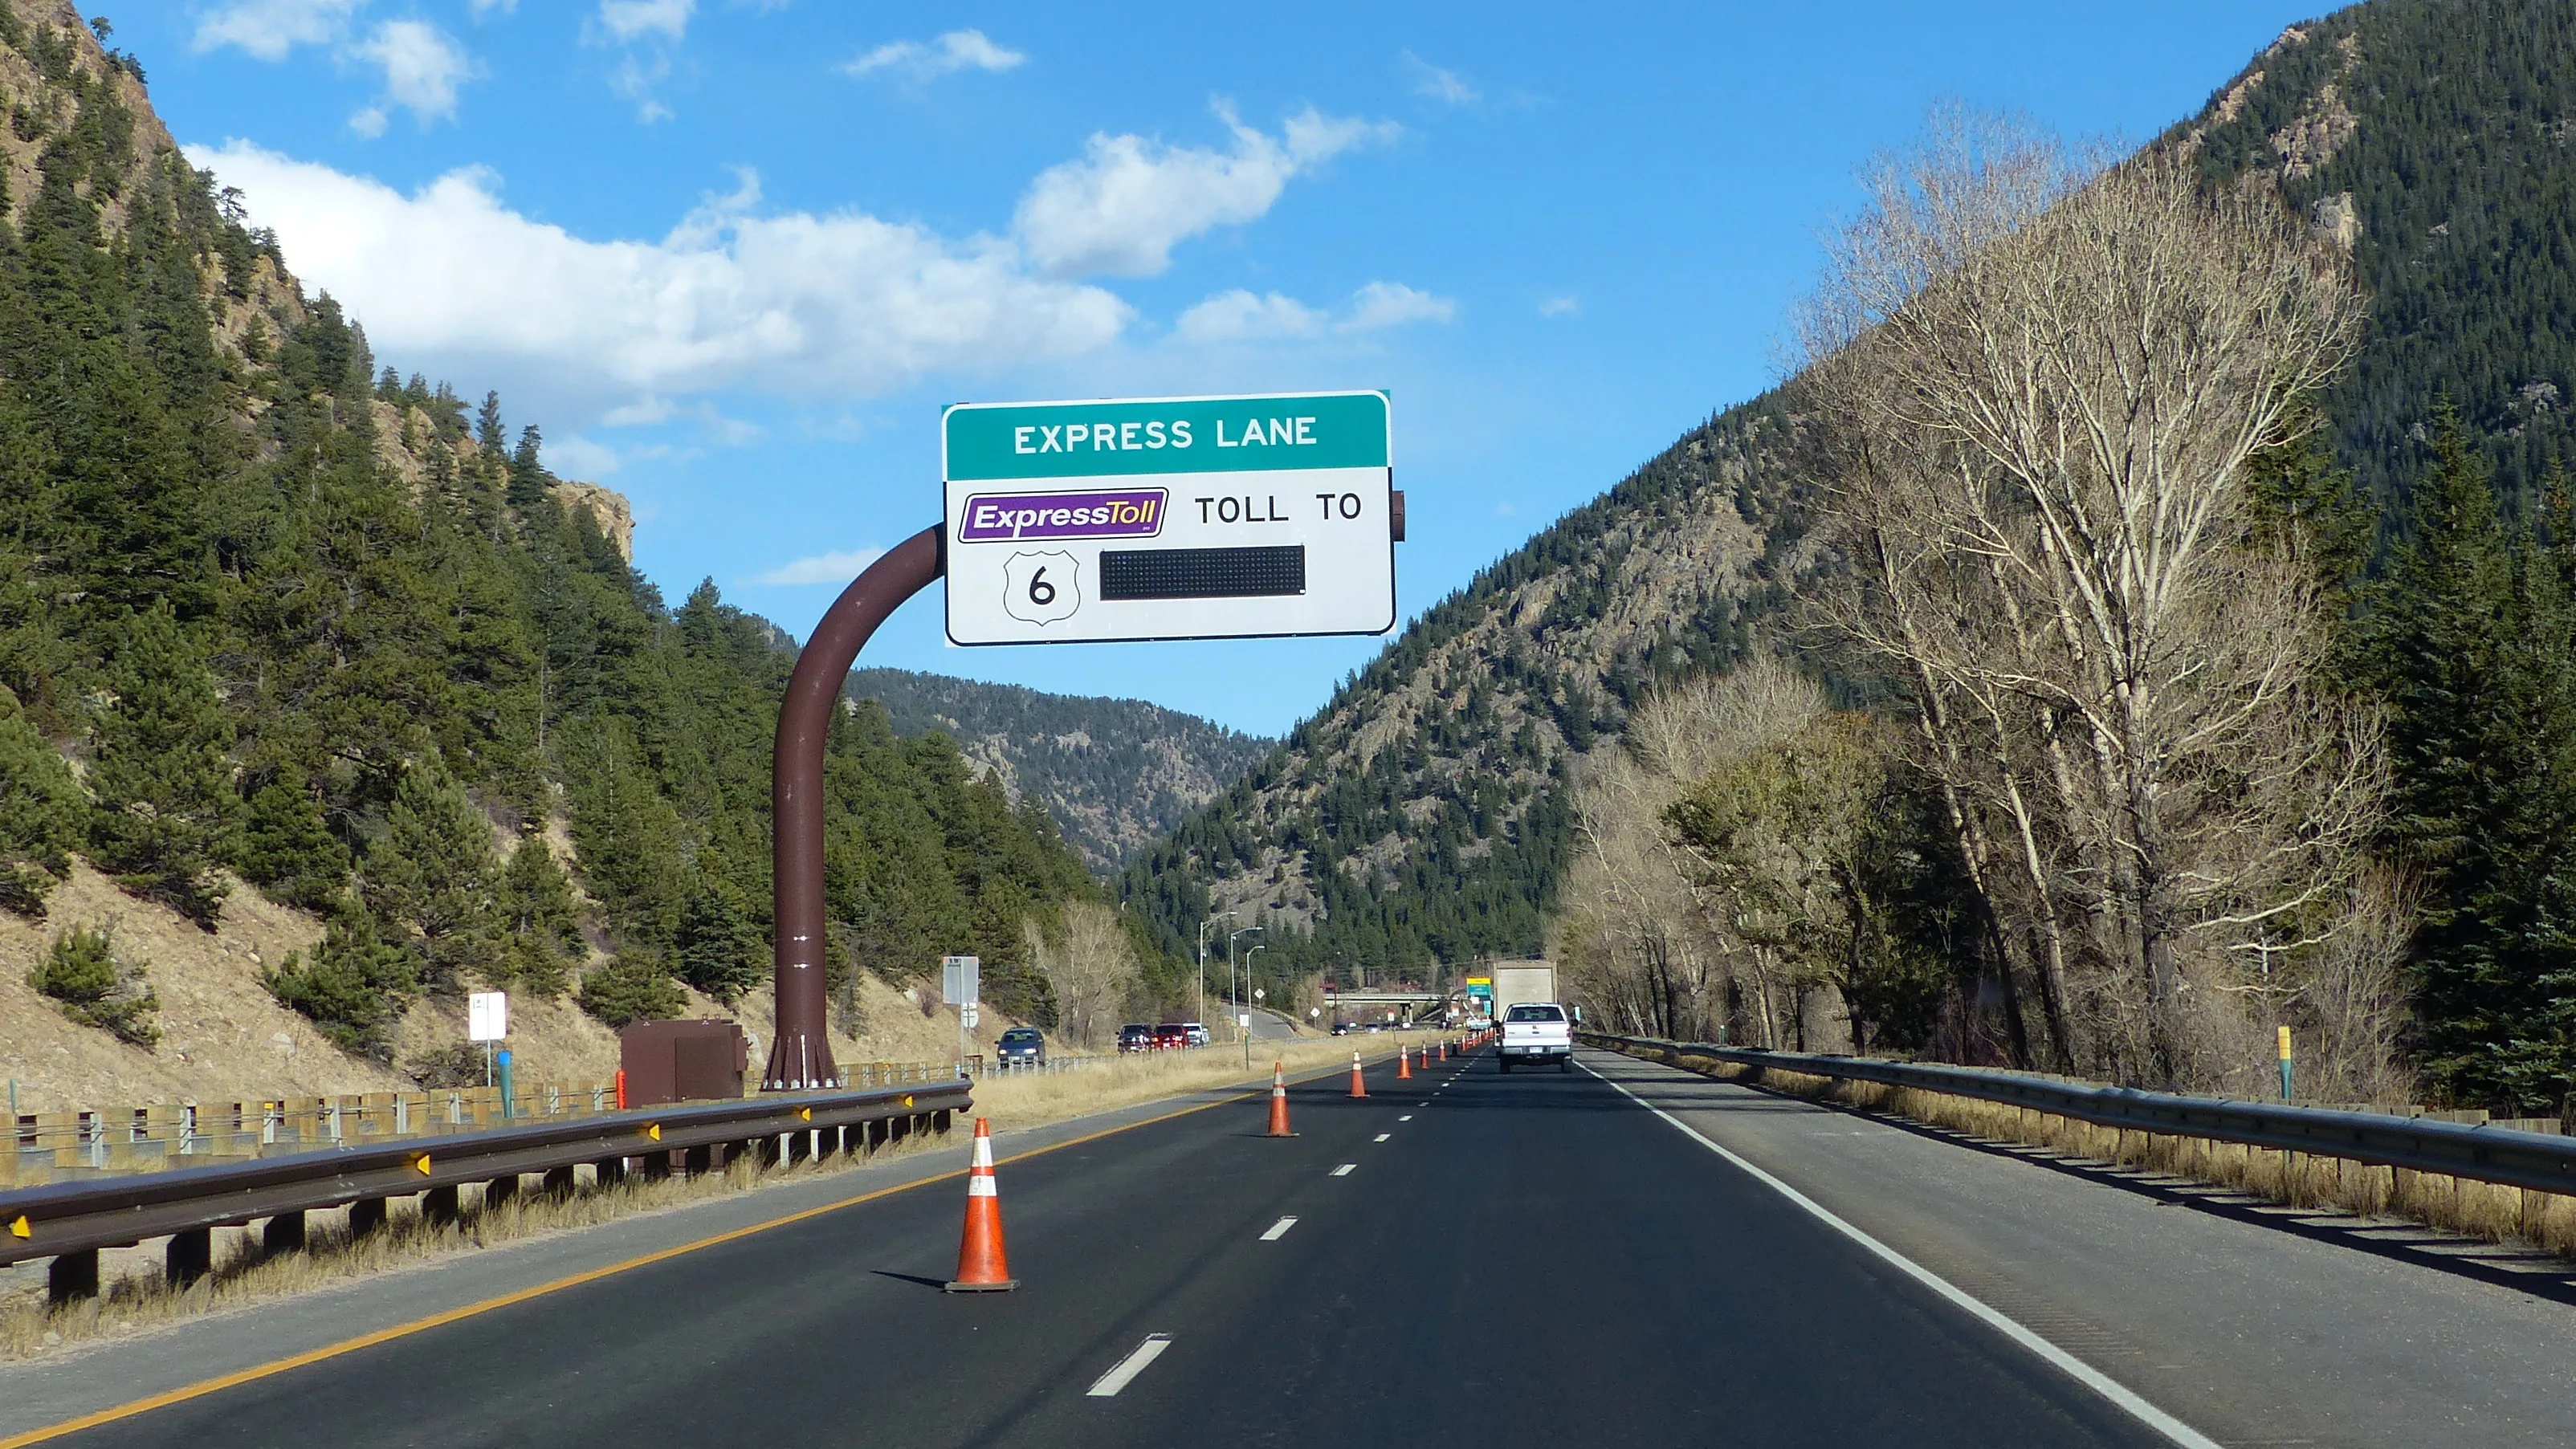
683	1061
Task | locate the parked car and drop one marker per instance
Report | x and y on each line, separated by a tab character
1021	1046
1171	1036
1341	1028
1198	1033
1135	1037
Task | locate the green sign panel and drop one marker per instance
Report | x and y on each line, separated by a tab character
996	441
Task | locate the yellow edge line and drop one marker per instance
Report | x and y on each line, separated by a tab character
221	1382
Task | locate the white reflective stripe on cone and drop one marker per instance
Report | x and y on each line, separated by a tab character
981	1186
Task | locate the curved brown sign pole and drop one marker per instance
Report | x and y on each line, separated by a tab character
802	1054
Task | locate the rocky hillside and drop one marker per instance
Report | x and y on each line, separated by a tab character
1420	814
1118	775
2437	140
1420	817
282	629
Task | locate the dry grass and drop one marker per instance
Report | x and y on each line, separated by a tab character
135	1299
1031	1099
2519	1217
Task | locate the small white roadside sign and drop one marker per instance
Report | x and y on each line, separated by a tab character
1169	518
487	1016
960	980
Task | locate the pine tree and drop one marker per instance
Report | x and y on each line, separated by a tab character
541	919
721	949
2469	642
353	986
287	849
41	813
433	875
626	837
528	491
165	810
632	987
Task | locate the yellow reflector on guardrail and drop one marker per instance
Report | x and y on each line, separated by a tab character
420	1163
22	1228
653	1131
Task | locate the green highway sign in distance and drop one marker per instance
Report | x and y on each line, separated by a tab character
1169	518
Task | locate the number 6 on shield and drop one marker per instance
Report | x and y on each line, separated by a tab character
1041	588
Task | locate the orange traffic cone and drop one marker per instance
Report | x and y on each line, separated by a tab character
1278	1101
1404	1064
1359	1084
1444	1051
980	1264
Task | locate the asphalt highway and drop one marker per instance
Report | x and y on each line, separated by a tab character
1473	1258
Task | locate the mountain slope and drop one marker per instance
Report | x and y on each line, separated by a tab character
2437	139
1117	774
1420	815
269	615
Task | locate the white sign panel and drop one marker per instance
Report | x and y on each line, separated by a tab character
1169	518
960	980
487	1016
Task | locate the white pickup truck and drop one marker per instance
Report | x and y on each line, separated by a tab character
1536	1033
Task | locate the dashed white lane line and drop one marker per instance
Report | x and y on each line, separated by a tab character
1384	1135
1407	1117
1130	1366
1278	1230
1345	1169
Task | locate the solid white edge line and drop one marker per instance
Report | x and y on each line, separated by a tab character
1278	1230
2075	1368
1344	1170
1110	1383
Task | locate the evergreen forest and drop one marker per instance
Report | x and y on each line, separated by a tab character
274	617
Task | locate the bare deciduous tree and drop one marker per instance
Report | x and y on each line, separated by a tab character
1092	969
1637	933
2039	384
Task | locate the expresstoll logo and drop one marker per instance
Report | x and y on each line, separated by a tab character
1091	513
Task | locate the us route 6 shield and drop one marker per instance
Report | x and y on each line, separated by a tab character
1041	588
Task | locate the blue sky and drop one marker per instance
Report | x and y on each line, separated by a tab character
732	255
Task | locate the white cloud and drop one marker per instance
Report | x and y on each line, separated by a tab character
574	456
1566	306
630	20
268	29
422	67
1441	85
1121	209
1241	316
957	50
482	8
837	567
840	305
649	31
1393	304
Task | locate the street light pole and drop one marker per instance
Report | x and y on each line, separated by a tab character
1244	1028
1231	991
1203	925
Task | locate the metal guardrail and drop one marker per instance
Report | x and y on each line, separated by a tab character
64	1218
2501	1155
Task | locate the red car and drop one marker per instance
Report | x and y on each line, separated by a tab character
1171	1036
